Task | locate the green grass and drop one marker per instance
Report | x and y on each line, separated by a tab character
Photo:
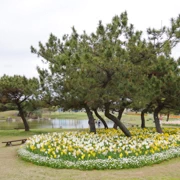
66	115
32	132
12	114
61	115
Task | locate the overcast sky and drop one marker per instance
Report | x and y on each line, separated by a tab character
26	22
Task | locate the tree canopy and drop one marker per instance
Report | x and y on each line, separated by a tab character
112	69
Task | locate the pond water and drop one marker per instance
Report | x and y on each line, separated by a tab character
69	123
54	123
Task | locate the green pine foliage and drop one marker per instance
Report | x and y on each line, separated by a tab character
113	68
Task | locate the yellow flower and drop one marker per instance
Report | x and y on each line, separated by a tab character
152	151
94	154
121	155
78	153
82	157
109	157
32	147
42	150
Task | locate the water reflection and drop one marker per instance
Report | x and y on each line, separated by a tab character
70	123
54	123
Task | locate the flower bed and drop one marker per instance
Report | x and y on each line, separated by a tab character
172	123
108	149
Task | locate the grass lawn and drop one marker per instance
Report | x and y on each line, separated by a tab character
12	114
65	115
13	168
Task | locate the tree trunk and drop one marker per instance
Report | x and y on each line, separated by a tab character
91	119
167	117
156	119
100	118
21	113
142	118
116	121
120	112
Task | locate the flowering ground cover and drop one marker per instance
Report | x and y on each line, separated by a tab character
172	123
108	149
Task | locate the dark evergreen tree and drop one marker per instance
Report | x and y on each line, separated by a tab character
18	90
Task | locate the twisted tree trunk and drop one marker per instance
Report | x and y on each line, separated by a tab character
167	117
22	115
100	118
91	119
120	112
142	118
156	118
116	121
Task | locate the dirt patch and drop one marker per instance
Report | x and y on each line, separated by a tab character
13	168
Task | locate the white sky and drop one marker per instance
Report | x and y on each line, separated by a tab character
26	22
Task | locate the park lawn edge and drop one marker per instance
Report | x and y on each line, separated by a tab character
99	164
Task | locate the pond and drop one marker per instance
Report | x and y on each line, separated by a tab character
54	123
